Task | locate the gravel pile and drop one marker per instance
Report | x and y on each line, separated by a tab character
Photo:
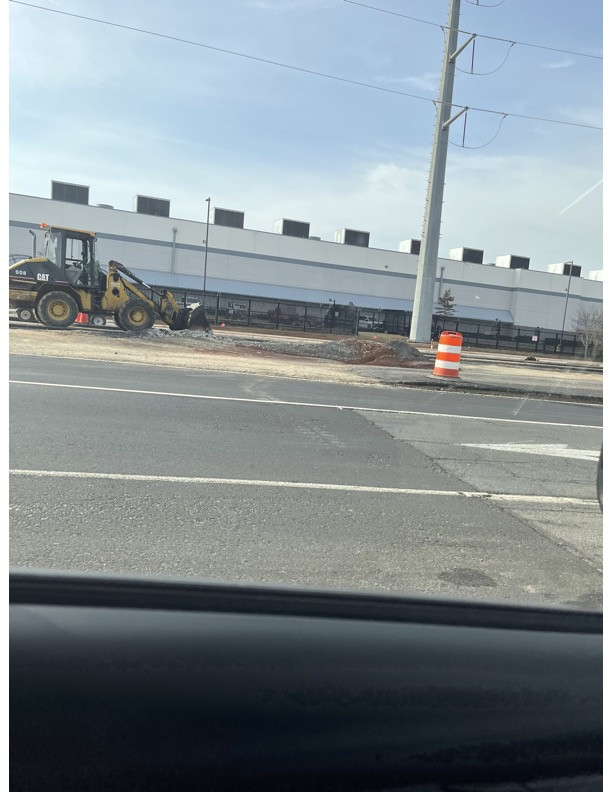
405	351
330	350
204	335
355	351
166	334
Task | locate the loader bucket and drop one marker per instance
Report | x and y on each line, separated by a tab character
181	320
198	319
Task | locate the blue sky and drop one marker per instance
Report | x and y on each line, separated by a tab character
127	113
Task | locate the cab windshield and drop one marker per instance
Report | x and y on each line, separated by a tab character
53	247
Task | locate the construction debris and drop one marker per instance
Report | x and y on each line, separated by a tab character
353	351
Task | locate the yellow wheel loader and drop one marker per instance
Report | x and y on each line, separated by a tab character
68	280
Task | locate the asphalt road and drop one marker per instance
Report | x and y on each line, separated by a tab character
242	477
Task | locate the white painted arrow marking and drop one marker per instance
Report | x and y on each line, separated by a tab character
543	449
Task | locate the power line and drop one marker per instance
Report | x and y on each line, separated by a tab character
294	68
469	33
484	74
483	5
484	145
225	51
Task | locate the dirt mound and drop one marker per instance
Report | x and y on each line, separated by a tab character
375	353
355	351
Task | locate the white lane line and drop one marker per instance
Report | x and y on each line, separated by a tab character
541	449
284	378
297	404
305	485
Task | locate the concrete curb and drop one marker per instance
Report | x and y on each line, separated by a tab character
474	358
497	390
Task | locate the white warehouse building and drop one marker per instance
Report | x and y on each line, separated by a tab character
289	264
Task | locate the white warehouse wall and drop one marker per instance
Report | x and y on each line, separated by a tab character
244	261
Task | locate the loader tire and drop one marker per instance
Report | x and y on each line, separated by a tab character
199	319
57	309
26	314
181	319
136	316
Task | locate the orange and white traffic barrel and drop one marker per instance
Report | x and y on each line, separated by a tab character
448	355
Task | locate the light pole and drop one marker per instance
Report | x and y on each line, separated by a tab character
206	250
569	283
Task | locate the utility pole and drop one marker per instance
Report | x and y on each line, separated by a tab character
420	328
569	283
206	251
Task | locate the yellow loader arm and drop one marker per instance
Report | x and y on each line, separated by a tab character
163	302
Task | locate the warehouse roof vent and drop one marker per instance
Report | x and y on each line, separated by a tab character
469	255
158	207
564	268
348	236
228	218
71	193
292	228
410	246
512	262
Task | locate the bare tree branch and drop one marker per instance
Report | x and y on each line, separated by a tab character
588	326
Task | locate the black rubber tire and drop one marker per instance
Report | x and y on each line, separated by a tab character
181	320
57	309
118	320
97	320
26	314
136	316
199	319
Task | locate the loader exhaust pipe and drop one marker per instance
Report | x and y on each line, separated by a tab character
34	243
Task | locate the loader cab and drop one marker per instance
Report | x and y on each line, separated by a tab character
73	252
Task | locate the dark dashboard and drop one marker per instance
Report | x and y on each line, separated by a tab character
125	683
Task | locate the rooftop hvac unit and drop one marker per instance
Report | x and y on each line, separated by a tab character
563	268
469	255
71	193
348	236
512	262
228	218
158	207
293	228
410	246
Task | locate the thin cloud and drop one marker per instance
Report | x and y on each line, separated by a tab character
288	5
588	114
564	63
424	82
580	197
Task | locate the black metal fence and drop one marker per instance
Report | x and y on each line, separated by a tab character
237	310
499	335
